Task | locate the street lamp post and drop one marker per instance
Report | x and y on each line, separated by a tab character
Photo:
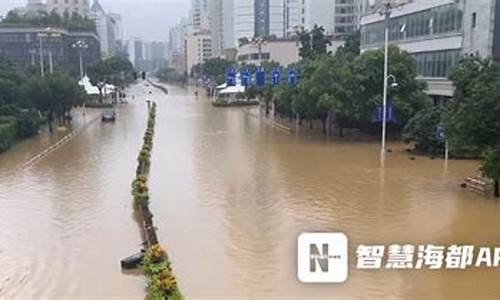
259	42
387	17
81	46
386	10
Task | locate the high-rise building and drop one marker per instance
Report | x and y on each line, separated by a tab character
106	28
292	16
337	17
259	18
69	7
118	26
198	48
177	45
228	24
35	6
216	25
199	14
138	53
158	51
177	37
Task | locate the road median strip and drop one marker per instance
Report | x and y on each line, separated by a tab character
156	265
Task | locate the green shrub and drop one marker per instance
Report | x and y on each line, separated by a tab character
28	123
8	133
161	280
421	130
238	103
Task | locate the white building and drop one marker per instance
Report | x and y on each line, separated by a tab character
69	7
198	48
338	17
199	14
284	51
437	33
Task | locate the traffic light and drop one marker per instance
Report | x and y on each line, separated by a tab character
135	75
143	75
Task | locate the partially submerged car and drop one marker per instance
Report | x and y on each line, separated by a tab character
108	116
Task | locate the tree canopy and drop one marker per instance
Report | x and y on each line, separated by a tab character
116	70
314	42
53	19
348	91
214	68
472	118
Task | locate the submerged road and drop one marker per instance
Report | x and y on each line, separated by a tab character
230	195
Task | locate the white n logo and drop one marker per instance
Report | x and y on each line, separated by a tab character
318	258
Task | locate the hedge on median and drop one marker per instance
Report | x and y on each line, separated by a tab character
162	284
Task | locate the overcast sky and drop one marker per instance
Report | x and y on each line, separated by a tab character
147	19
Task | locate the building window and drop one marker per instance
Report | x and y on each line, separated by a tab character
438	20
474	20
436	64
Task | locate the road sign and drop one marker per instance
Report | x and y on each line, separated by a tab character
441	133
245	77
276	77
292	77
378	115
231	77
260	77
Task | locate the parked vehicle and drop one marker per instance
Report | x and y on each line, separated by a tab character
108	116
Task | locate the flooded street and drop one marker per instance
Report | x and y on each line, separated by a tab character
230	196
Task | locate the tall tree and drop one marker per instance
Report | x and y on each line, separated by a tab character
54	95
116	70
472	118
313	43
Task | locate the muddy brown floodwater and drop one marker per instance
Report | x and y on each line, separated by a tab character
230	196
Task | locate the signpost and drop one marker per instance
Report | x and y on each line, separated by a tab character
245	78
231	77
292	77
442	137
276	77
390	114
260	77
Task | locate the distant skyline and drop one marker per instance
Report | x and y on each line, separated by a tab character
146	19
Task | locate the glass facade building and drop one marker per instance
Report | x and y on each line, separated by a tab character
433	23
22	47
446	19
436	64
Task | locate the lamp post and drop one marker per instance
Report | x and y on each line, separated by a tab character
48	33
259	42
385	11
387	7
81	46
